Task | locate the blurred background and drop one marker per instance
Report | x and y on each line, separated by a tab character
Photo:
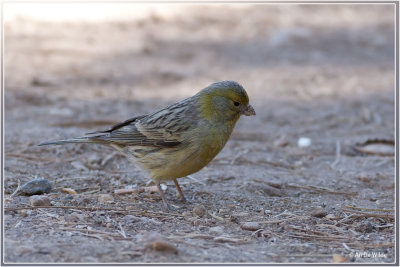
139	52
321	71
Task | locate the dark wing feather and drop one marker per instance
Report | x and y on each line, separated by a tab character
119	125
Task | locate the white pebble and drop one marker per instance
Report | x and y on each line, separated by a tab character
304	142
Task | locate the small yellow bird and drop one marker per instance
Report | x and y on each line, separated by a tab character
180	139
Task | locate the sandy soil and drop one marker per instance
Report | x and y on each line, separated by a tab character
317	71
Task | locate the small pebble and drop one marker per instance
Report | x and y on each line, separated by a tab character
319	213
304	142
36	187
105	198
251	226
338	258
199	210
39	201
164	246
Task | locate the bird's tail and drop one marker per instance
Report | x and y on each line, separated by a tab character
69	141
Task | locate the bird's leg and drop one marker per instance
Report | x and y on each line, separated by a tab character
179	190
167	207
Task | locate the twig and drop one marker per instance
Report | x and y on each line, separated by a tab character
384	226
94	209
216	217
361	208
320	189
316	233
347	218
123	191
379	245
239	154
346	247
279	221
121	230
68	207
108	158
367	214
90	192
337	160
16	190
319	237
196	180
204	236
94	231
89	235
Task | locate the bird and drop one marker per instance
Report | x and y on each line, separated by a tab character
180	139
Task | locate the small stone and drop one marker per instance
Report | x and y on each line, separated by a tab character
319	213
105	198
36	187
39	201
251	226
164	246
338	258
303	142
199	210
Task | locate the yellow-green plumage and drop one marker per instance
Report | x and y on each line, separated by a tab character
182	138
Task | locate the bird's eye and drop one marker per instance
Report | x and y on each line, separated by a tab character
236	103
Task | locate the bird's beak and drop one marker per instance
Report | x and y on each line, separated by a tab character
248	111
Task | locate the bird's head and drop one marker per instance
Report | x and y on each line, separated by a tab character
225	101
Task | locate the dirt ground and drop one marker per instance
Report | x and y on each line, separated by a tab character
324	72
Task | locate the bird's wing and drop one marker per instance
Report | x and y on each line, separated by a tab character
163	128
